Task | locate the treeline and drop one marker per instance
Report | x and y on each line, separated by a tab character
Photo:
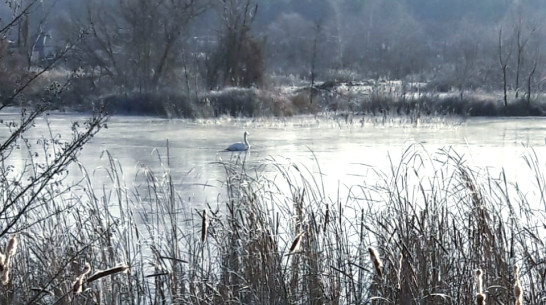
155	50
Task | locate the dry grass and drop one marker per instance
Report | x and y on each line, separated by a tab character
417	236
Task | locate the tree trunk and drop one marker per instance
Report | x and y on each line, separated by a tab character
313	63
529	79
519	59
504	85
503	61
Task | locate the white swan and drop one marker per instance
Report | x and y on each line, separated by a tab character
239	146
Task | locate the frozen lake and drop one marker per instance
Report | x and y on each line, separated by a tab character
344	153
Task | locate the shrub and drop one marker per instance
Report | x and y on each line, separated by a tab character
302	103
275	103
522	108
235	102
165	105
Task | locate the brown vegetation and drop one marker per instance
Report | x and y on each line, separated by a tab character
288	243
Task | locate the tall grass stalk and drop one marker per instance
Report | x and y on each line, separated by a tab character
276	236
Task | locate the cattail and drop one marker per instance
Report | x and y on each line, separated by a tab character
204	226
10	252
376	261
326	217
5	277
11	248
518	292
480	297
77	287
103	273
6	259
296	244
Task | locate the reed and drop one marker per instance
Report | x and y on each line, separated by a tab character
480	296
204	226
281	239
102	273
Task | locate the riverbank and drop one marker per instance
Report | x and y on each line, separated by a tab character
365	98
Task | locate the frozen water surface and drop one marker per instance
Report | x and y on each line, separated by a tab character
345	153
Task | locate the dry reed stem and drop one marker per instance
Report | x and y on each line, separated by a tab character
204	226
479	280
376	261
103	273
77	287
518	292
399	271
480	297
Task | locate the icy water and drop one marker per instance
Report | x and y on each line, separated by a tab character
342	154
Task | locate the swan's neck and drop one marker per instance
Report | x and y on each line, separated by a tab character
246	141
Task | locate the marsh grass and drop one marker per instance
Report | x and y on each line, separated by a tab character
415	236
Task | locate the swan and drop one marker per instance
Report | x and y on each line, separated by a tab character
239	146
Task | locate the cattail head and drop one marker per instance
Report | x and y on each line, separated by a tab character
5	276
102	273
12	247
296	244
326	217
374	256
204	226
480	299
518	292
5	259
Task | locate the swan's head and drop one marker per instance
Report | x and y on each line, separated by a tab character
246	133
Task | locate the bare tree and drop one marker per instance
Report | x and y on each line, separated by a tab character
238	59
30	28
466	49
137	44
504	58
523	42
523	36
23	190
537	58
288	44
318	27
337	20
